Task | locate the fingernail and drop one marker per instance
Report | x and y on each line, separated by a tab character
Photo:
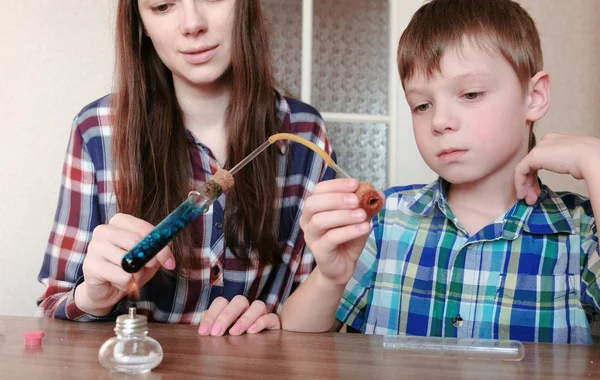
236	328
364	227
351	200
357	214
217	329
170	264
351	183
204	329
252	328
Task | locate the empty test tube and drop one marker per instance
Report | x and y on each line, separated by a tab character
462	348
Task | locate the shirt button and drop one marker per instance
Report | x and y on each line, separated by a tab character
457	321
216	270
219	225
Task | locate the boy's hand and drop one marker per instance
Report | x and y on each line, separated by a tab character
335	229
559	153
248	318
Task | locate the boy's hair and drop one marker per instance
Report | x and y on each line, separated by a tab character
501	25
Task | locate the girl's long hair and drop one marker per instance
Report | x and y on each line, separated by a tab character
150	152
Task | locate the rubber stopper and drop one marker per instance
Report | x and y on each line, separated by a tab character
33	337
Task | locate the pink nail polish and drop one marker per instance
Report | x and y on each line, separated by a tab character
236	328
252	328
203	329
217	329
170	264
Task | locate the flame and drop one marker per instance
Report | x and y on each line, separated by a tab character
133	295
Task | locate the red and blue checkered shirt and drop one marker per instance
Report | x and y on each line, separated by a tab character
87	200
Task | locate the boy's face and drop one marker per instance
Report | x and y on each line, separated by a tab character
470	119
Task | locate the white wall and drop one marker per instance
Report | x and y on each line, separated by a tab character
570	35
405	165
57	56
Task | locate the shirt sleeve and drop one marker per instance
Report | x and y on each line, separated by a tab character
307	263
304	169
590	274
76	217
357	294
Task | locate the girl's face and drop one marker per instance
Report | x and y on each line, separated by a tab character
193	38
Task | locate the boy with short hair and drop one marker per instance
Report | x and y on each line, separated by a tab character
486	251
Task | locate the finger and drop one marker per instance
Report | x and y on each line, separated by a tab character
339	185
237	307
104	272
328	202
266	322
131	223
255	311
114	255
533	190
139	229
126	239
523	172
209	316
338	236
110	252
520	186
103	257
324	221
117	236
164	258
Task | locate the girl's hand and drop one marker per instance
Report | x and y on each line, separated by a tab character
106	283
245	317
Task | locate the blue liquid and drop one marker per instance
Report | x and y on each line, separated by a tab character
164	232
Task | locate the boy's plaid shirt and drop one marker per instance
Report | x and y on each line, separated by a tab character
87	200
523	277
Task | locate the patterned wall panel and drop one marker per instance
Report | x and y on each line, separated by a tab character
361	150
350	56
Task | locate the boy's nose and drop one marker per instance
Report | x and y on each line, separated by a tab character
443	121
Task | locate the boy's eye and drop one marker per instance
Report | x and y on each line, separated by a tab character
472	95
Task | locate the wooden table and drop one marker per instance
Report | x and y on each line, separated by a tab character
70	350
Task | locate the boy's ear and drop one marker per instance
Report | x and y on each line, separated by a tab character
538	96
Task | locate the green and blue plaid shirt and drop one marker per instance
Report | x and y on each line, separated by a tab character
525	277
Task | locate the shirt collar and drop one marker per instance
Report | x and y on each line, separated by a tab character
427	198
549	215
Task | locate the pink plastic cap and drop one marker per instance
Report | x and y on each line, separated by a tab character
33	337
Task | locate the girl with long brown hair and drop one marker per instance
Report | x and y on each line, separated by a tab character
194	93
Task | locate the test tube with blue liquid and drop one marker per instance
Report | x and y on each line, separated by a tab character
196	203
200	201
